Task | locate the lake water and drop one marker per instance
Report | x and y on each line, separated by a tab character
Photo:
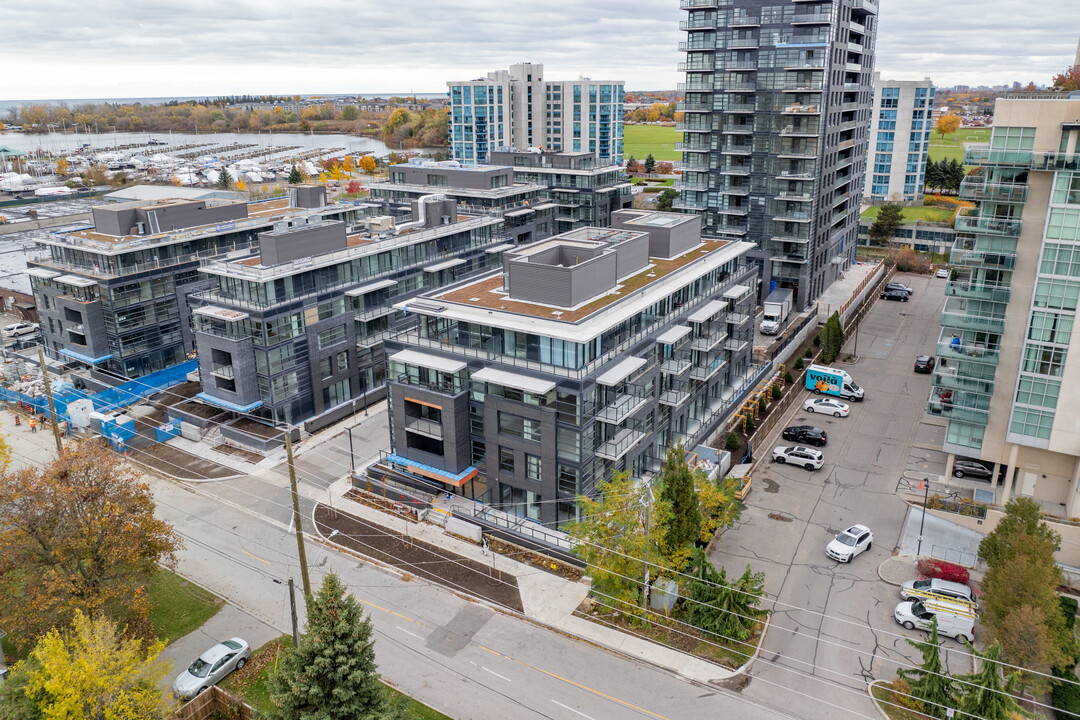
57	143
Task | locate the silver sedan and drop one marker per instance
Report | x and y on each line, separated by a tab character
211	667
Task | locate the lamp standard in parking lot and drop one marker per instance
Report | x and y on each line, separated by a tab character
922	523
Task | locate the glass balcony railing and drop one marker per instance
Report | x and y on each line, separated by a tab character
622	442
424	427
703	373
708	341
977	291
955	377
963	321
676	393
958	410
992	260
952	347
979	190
988	225
1022	159
622	407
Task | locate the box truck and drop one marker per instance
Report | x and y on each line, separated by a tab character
830	381
776	309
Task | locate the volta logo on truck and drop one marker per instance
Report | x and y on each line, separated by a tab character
822	382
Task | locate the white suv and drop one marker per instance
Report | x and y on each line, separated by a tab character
809	458
856	540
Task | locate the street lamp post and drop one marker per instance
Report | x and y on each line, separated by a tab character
922	523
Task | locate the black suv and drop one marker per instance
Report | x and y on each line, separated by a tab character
806	435
899	295
924	364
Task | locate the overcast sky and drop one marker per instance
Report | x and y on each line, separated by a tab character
156	48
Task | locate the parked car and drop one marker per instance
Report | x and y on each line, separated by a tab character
943	273
970	468
827	406
953	619
925	363
211	667
899	286
20	328
898	295
806	435
916	589
856	540
809	458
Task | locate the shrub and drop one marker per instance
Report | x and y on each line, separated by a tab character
789	379
776	391
907	260
798	366
750	424
1065	696
941	570
817	342
808	353
732	443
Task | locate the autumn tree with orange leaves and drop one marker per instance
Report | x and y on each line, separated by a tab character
78	534
947	124
1069	80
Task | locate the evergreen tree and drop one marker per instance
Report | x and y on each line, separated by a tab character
929	682
723	608
889	219
225	180
630	162
650	163
295	176
666	198
832	338
955	174
932	179
332	675
678	512
985	694
732	443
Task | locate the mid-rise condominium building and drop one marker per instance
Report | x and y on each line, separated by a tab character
292	331
519	108
900	126
1008	325
584	188
776	116
114	296
480	189
588	353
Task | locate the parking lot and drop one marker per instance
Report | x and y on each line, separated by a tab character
833	628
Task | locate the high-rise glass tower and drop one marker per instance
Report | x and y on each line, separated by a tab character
776	117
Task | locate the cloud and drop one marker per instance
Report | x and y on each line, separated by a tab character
71	48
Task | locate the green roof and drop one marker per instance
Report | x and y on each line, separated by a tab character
6	151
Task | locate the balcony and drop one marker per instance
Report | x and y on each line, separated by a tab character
960	320
708	341
697	66
983	259
977	189
675	366
956	411
736	345
703	4
738	319
684	184
1022	159
977	291
223	371
622	443
742	43
868	6
798	109
694	107
951	379
691	203
953	347
623	407
707	24
703	373
693	127
446	386
422	426
675	395
738	65
374	313
1006	227
811	18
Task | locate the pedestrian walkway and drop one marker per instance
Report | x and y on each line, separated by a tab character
898	569
546	598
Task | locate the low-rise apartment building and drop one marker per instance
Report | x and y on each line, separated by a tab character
292	331
586	354
481	189
585	188
114	296
1008	324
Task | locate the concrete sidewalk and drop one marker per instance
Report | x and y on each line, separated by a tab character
547	599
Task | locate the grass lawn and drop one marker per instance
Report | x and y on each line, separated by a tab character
640	140
177	606
952	146
926	214
251	683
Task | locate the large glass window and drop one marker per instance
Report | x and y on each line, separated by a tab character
1012	138
1050	327
517	426
506	459
333	336
1032	423
1056	294
1041	392
532	467
1044	360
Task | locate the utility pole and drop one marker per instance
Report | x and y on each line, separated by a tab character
296	516
292	608
52	408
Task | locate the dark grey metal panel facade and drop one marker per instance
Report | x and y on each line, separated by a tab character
301	241
227	366
457	448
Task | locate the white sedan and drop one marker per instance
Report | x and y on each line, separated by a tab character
827	406
943	273
855	540
808	458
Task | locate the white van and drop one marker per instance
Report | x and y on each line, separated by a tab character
955	620
932	588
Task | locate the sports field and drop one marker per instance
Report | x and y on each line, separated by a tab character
952	146
640	140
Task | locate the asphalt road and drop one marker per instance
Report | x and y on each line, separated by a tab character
458	656
833	630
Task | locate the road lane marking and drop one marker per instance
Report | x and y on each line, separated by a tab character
408	633
576	712
493	652
496	674
256	557
588	689
403	617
